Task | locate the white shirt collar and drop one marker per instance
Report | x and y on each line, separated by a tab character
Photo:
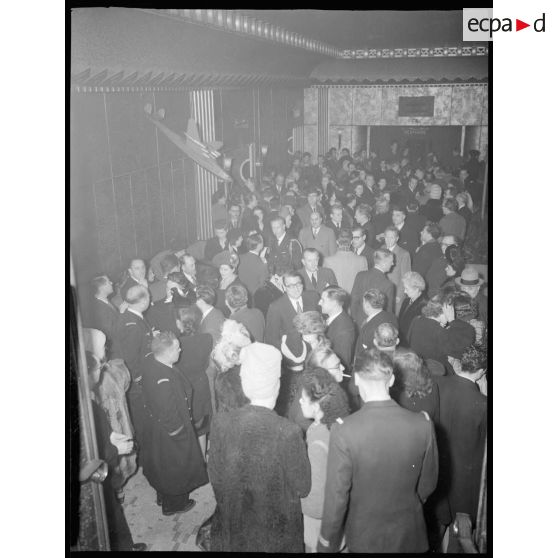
190	278
294	302
206	312
279	240
360	250
332	317
135	312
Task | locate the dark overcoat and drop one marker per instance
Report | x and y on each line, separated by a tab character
371	279
461	440
259	470
172	459
382	466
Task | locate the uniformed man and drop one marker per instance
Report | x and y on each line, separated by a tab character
133	343
172	461
382	466
285	252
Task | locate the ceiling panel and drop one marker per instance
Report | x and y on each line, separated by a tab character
369	29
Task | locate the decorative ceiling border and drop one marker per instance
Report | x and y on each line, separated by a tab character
477	50
235	22
104	80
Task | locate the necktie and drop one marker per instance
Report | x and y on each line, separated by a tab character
314	282
298	307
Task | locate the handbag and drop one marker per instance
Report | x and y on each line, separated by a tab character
203	537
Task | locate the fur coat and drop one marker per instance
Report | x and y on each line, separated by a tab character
259	470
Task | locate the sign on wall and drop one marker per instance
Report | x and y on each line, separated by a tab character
416	106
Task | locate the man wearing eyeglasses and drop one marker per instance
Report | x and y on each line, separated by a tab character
280	315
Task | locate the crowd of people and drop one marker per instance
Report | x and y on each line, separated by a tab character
321	360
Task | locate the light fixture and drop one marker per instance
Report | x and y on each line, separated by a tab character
227	163
264	150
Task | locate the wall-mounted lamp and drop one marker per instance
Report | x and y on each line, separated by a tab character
227	163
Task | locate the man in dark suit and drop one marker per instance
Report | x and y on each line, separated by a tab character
373	303
411	307
341	329
437	334
429	250
382	466
315	278
212	318
233	219
218	243
360	247
173	462
189	271
133	343
285	252
137	275
236	299
363	216
462	437
158	289
281	312
252	271
408	236
414	220
374	278
161	316
104	316
338	220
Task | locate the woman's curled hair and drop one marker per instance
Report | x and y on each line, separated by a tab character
411	374
321	387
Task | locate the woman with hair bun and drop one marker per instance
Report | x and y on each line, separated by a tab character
414	388
323	401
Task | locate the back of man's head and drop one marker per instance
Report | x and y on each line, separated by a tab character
374	366
137	295
206	294
163	342
386	336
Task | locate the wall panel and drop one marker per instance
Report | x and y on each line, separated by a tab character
467	105
140	206
154	198
368	105
311	105
311	140
340	105
126	229
106	230
131	135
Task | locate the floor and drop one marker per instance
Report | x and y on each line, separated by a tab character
159	532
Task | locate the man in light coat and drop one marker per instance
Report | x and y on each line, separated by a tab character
318	236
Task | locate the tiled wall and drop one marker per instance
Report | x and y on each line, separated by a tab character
349	106
132	190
